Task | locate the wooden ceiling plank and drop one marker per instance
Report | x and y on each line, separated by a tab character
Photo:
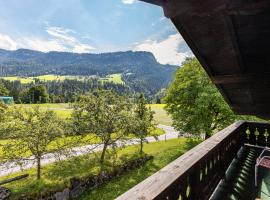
240	78
235	41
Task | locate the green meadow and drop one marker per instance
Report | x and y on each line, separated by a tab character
64	111
115	78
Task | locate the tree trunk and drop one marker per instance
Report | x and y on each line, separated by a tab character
103	153
141	150
38	168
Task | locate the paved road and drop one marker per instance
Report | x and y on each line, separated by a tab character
12	167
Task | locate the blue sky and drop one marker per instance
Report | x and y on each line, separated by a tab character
90	26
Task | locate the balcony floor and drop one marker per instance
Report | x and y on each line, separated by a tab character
239	181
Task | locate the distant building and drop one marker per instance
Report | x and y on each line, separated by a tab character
6	100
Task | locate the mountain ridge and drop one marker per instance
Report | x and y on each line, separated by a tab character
139	69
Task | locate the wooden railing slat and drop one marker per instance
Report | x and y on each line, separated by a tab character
153	186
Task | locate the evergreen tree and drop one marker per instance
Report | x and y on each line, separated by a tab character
35	94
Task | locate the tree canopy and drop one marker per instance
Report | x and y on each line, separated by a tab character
31	132
35	94
194	102
3	90
104	114
143	122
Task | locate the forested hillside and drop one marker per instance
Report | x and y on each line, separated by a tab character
140	70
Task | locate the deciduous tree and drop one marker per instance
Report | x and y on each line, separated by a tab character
143	122
35	94
3	90
194	102
32	132
104	114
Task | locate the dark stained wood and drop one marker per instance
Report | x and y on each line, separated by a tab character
195	175
231	39
156	2
235	41
241	78
209	160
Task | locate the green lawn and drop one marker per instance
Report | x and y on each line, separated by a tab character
161	116
56	176
115	78
64	111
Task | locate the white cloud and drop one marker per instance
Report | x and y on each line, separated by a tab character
128	1
7	43
82	48
64	37
41	45
61	34
165	51
61	40
161	19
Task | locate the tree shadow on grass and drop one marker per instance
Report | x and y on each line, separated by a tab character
74	167
191	143
119	185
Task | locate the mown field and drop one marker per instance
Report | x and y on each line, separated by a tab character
56	176
64	111
115	78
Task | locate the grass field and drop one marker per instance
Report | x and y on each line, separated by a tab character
16	78
64	111
161	116
56	176
115	78
50	77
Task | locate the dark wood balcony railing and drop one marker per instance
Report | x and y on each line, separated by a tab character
194	175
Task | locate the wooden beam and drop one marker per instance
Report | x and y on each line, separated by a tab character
156	2
240	78
191	44
235	42
260	110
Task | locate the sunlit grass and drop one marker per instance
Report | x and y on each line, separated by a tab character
64	111
114	78
23	80
161	116
49	77
56	176
68	142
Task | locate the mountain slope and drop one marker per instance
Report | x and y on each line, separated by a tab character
139	70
